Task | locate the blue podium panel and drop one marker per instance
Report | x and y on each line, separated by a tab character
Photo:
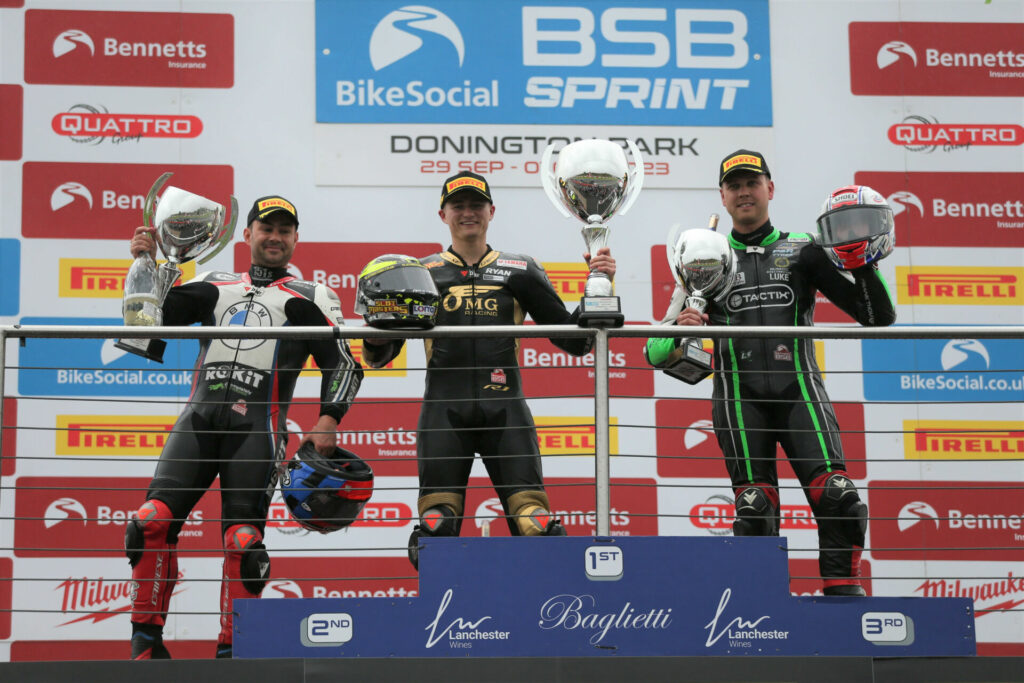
629	596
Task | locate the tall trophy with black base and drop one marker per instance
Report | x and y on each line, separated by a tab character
593	181
704	267
187	226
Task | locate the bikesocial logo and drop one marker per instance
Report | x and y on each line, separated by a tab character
401	33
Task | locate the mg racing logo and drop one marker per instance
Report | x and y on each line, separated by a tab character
473	298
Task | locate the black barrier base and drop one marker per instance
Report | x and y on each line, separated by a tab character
534	669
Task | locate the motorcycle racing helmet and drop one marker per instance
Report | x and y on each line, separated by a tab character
856	227
326	494
396	292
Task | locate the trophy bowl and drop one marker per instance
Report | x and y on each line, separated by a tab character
593	179
187	224
703	263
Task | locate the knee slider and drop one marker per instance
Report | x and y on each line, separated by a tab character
532	514
439	520
755	514
149	526
254	568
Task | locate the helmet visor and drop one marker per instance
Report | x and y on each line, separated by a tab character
853	224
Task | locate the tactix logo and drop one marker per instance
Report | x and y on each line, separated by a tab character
71	40
899	201
66	193
399	34
64	509
913	513
957	352
890	53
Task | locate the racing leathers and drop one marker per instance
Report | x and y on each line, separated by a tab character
234	426
770	391
473	401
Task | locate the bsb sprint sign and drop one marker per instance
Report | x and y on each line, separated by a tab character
686	62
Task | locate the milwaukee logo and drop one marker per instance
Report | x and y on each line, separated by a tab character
568	279
112	435
959	285
395	368
988	596
101	278
573	435
963	440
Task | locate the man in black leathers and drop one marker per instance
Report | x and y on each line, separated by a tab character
474	401
234	424
770	391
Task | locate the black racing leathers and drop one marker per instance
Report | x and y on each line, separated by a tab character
234	423
473	401
770	391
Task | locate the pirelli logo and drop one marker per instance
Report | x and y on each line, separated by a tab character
568	279
741	159
573	435
112	434
398	366
101	278
959	285
963	440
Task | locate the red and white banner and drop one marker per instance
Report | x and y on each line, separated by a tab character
169	49
936	58
11	115
105	201
341	577
947	520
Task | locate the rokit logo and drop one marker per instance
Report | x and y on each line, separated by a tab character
86	124
163	49
953	209
74	517
945	520
97	201
919	133
932	58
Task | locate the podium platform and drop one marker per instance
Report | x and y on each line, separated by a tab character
602	596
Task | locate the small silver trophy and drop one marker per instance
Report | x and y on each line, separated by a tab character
593	181
187	226
704	266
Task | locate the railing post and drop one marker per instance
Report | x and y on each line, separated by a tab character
602	468
3	393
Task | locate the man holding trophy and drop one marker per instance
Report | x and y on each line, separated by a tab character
770	391
473	401
234	425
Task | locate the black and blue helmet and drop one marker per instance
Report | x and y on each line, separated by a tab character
326	494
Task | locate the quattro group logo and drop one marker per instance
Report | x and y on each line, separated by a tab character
103	201
101	278
935	58
963	440
95	367
959	286
953	209
86	124
169	49
921	133
708	63
946	520
86	517
961	370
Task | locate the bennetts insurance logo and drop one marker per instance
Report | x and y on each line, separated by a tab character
169	49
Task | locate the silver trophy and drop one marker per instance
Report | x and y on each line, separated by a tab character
187	226
593	181
704	266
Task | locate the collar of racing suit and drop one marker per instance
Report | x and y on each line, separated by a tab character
763	236
262	276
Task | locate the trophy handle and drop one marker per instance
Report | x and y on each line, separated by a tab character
636	180
149	207
549	182
225	234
